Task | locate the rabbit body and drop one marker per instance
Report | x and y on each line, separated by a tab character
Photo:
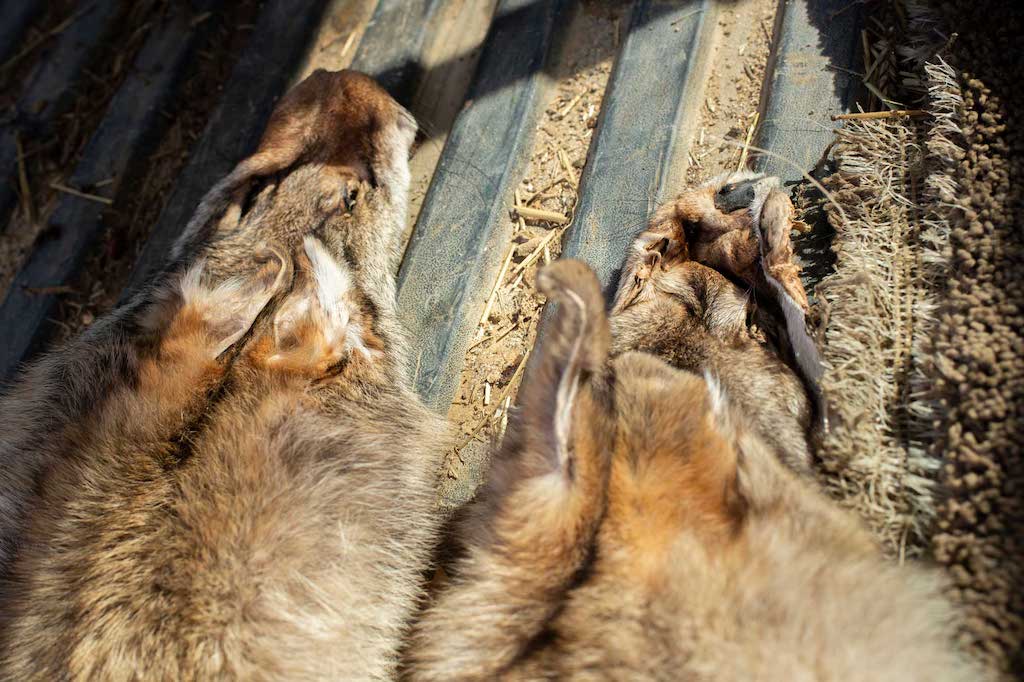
645	519
255	498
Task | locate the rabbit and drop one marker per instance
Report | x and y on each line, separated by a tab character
639	522
260	503
327	172
674	301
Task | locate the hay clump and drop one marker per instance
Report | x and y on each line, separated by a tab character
876	307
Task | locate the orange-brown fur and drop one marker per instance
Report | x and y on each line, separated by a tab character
254	496
695	552
675	302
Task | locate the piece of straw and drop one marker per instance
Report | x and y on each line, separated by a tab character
572	103
79	193
537	251
746	143
531	213
26	189
873	115
494	289
563	158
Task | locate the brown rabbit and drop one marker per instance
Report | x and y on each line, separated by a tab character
638	525
673	301
332	137
265	511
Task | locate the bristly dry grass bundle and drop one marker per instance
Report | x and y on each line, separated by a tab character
895	182
877	306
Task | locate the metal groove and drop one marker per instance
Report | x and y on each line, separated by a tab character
50	86
456	245
259	77
636	133
130	121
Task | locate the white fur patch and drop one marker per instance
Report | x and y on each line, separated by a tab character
333	285
334	294
719	403
568	384
223	300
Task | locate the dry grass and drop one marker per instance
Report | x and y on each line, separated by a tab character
877	306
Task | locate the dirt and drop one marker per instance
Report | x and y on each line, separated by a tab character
732	94
53	159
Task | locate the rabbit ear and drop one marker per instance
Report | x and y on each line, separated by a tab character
575	352
533	524
662	242
215	315
231	307
322	322
290	132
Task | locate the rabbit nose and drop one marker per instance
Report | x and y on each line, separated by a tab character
736	195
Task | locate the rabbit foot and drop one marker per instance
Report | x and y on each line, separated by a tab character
775	221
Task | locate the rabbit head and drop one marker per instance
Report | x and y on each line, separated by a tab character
686	294
727	224
335	151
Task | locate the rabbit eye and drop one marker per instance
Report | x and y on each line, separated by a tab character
728	189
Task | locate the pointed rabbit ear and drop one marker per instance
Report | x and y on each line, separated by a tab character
322	322
573	354
219	313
